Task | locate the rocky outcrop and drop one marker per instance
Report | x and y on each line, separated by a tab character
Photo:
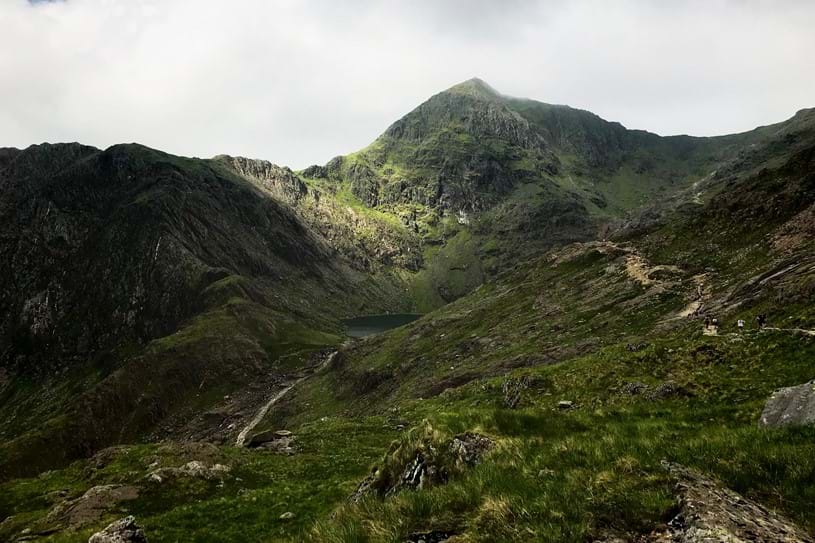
513	389
364	183
192	469
790	406
122	531
278	181
91	506
711	513
423	459
281	441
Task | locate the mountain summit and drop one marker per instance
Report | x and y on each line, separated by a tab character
475	87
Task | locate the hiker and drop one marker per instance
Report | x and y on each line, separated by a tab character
707	322
761	320
740	324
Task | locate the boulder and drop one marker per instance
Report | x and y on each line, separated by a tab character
280	441
469	448
791	406
122	531
263	437
666	390
192	469
634	388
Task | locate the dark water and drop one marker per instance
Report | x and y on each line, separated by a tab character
374	324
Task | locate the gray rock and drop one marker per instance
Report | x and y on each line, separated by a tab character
633	389
711	513
288	515
263	437
469	448
428	463
193	469
513	390
91	506
565	404
280	441
122	531
667	390
793	406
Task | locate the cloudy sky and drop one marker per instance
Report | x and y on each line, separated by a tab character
298	82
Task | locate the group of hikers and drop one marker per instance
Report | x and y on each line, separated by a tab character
712	323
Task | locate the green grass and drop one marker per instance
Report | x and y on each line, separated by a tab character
565	476
333	454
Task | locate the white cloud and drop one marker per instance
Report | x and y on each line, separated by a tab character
298	82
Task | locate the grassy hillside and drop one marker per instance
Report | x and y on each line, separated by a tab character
565	264
141	284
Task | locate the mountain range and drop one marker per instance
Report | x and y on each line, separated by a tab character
173	331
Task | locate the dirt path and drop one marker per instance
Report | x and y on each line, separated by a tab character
697	192
241	440
794	330
244	433
640	270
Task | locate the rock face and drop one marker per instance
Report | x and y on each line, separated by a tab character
122	531
710	513
367	242
793	406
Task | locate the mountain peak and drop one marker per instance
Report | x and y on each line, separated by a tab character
475	87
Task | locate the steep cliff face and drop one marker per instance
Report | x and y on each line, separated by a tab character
369	241
138	284
105	246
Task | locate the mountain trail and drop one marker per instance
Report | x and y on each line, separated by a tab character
653	276
638	268
244	433
803	331
702	294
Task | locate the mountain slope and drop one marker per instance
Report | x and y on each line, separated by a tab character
138	283
158	303
484	180
614	329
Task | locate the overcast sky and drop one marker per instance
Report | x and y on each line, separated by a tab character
298	82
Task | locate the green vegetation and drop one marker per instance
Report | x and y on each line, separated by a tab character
556	255
567	475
